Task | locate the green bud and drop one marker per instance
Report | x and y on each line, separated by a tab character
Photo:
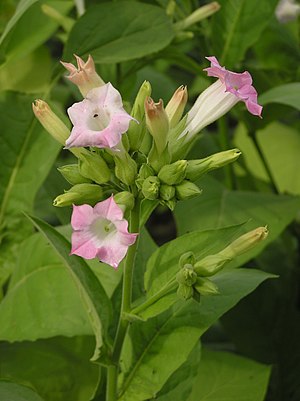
126	168
125	200
80	194
166	192
150	188
186	275
206	287
145	172
187	258
185	292
197	168
157	123
169	203
210	265
158	160
136	131
187	190
93	166
174	173
176	105
72	175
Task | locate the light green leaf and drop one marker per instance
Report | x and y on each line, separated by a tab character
58	368
16	392
222	375
288	94
93	296
153	350
280	145
237	26
115	32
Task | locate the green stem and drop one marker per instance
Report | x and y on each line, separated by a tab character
171	285
112	371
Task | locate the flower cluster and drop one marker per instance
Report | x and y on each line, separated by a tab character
126	159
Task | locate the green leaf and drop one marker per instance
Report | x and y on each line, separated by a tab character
93	296
219	207
237	26
288	94
58	368
222	375
284	165
115	32
15	392
154	349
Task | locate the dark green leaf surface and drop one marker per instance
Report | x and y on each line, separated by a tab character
16	392
114	32
288	94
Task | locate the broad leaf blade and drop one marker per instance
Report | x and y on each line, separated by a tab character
17	392
95	300
288	94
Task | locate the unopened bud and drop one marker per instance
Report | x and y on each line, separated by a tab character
174	173
91	165
187	258
136	131
126	168
157	123
187	190
198	15
245	243
150	188
176	105
145	172
166	192
186	275
210	265
72	175
197	168
125	200
169	203
84	75
206	287
185	292
80	194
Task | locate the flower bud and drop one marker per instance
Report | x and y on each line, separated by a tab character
210	265
198	15
205	286
150	188
84	75
245	243
197	168
157	123
174	173
91	165
166	192
125	168
158	160
72	175
169	203
187	190
125	200
80	194
145	172
136	131
176	105
186	275
188	258
185	292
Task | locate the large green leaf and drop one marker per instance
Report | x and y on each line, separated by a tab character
219	207
154	349
237	26
16	392
288	94
115	32
226	376
58	368
91	292
280	145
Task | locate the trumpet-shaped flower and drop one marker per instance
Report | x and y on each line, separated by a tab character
220	97
101	232
99	120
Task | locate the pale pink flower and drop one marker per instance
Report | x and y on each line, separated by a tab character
101	232
84	75
99	120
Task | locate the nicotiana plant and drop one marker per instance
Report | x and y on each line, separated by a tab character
128	164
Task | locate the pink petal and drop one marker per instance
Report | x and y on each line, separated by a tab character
83	245
81	216
109	210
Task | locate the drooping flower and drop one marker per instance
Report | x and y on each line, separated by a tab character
99	120
84	75
220	97
101	232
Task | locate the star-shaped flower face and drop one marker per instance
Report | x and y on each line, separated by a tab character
101	232
99	120
239	84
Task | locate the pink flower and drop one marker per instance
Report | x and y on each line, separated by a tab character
84	75
101	232
239	84
99	120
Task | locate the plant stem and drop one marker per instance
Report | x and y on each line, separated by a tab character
112	371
